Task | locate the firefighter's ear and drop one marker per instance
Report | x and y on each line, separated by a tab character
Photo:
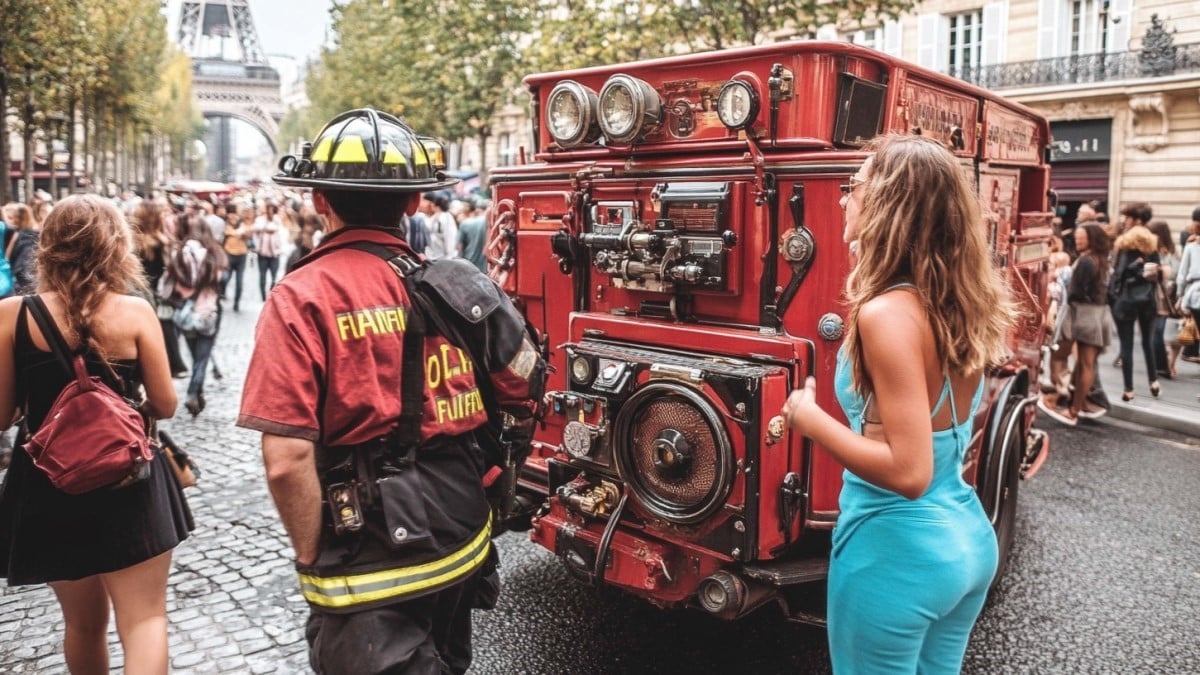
320	204
414	200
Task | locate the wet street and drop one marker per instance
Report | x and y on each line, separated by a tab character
1105	575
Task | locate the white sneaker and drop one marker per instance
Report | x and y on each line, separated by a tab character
1060	415
1093	414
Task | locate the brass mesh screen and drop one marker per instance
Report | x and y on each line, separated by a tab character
693	485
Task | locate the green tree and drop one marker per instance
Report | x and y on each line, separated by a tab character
447	68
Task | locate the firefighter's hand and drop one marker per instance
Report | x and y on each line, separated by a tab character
801	406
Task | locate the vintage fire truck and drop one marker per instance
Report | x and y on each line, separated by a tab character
676	238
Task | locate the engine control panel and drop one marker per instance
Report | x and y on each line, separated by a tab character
685	249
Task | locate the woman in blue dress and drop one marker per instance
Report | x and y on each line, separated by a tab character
913	552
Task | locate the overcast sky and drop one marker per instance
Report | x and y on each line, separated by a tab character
293	28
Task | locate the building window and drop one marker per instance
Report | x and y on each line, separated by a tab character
1089	28
507	152
966	41
870	37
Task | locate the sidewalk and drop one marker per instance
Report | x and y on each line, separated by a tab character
1178	409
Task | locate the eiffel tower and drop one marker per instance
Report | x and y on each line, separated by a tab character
227	87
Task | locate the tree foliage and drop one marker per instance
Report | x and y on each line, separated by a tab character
109	57
447	68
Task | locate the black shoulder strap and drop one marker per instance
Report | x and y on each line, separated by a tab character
412	367
54	337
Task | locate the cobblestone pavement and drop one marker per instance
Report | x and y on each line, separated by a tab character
232	599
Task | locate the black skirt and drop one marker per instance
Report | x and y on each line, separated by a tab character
48	535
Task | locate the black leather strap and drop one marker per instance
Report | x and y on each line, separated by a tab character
54	337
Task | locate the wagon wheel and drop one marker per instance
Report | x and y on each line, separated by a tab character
501	249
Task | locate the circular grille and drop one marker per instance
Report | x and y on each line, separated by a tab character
673	452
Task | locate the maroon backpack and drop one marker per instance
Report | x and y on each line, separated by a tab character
91	437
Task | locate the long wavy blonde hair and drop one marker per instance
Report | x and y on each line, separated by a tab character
86	249
921	223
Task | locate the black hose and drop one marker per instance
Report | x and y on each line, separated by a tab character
606	538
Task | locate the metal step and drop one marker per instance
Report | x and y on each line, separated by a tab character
789	572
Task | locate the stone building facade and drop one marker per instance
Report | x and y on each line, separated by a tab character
1119	80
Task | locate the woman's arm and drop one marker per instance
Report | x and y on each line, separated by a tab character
161	399
893	330
9	307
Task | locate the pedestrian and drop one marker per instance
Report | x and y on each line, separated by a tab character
155	248
1163	279
310	227
266	236
1187	282
22	247
416	232
913	552
1086	326
443	230
335	384
472	234
109	546
237	231
197	268
1133	286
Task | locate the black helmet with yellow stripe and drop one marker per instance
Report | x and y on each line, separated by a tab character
368	151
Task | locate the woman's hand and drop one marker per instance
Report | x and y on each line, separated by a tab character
801	407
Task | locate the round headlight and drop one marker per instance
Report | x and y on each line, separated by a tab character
581	370
737	104
571	114
628	107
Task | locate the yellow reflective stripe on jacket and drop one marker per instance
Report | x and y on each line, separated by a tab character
359	589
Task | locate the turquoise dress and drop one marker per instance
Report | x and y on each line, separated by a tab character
908	578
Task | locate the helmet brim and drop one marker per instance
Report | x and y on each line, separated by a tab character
397	186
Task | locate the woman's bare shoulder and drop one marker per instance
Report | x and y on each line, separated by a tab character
9	308
891	309
128	307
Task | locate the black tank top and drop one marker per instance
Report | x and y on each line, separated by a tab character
41	377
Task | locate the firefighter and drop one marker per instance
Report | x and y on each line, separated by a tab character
372	415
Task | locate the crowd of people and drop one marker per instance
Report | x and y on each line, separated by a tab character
1110	278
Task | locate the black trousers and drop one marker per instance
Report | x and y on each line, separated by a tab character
430	635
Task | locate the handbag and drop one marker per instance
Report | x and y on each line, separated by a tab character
186	471
91	437
1187	332
1171	330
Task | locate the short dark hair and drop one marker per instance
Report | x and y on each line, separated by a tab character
383	209
1196	213
1138	211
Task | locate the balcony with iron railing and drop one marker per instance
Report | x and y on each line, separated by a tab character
1085	68
1158	57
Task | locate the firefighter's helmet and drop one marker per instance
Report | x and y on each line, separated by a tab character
368	151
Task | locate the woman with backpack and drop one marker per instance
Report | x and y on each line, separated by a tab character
111	545
196	270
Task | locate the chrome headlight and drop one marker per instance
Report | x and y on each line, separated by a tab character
581	370
628	108
737	104
571	114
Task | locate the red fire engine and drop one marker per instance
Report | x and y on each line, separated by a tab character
677	239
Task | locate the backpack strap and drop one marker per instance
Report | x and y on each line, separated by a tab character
72	363
412	388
